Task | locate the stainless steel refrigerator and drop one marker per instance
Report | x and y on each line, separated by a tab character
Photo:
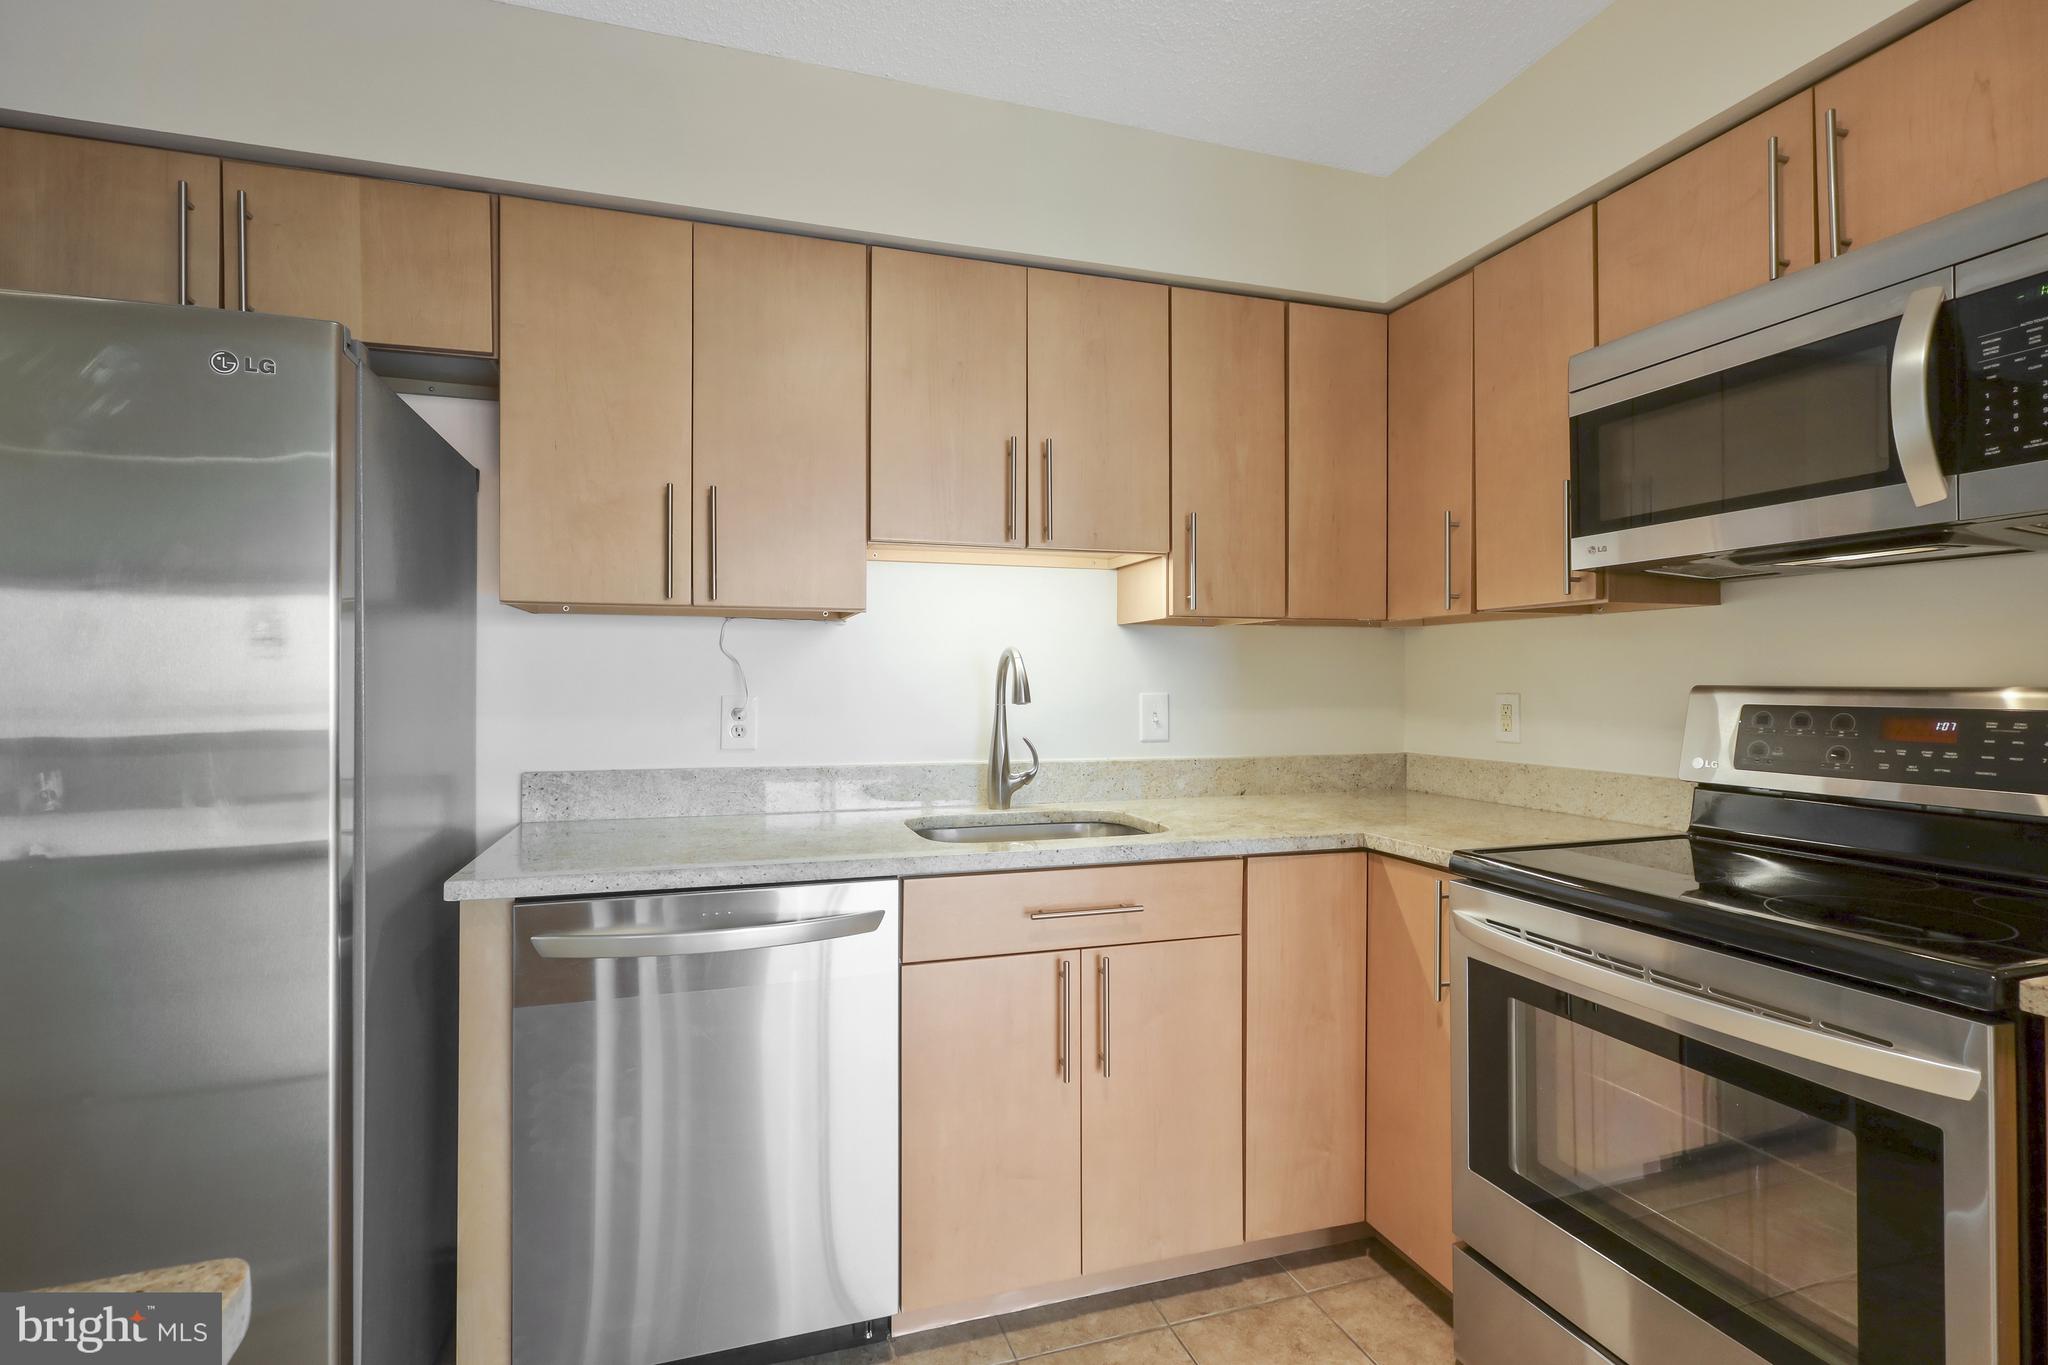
237	682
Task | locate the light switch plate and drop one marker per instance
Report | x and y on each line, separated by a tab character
1507	717
739	722
1155	717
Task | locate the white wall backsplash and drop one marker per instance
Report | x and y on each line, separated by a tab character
1608	692
911	679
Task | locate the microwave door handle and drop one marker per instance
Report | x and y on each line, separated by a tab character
1913	398
1892	1065
647	941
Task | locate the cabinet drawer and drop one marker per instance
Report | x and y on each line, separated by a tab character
986	914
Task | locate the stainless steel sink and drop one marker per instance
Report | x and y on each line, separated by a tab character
1016	829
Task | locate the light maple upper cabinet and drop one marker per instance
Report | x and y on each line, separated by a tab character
1096	451
103	219
991	1126
1408	1064
946	408
1948	116
1702	227
594	408
1162	1136
779	501
399	265
1429	455
1304	1045
1336	464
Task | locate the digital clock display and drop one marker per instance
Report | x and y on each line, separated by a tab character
1922	729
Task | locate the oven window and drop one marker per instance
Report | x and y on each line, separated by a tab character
1802	1222
1809	422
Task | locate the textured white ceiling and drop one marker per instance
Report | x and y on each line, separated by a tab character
1360	84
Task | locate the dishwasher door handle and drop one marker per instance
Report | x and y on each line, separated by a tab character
637	941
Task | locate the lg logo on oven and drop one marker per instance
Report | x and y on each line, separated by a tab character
227	362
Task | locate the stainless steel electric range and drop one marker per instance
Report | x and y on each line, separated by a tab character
1761	1092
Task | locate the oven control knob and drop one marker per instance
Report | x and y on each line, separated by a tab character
1759	750
1838	756
1763	720
1843	723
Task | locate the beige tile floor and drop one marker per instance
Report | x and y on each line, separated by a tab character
1334	1306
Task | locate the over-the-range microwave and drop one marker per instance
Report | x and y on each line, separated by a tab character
1887	406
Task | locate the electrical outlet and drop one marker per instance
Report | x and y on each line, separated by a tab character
1155	717
739	722
1507	717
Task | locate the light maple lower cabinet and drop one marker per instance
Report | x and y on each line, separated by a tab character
992	1126
102	219
1305	1030
1429	455
1408	1064
399	265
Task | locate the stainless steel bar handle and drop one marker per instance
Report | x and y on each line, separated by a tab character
1194	591
1450	524
711	539
184	243
1436	970
1913	399
242	248
1045	512
1570	579
668	540
1066	1025
1834	133
1778	262
1102	986
639	941
1010	489
1876	1060
1085	911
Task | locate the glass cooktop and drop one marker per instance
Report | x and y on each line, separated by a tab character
1961	941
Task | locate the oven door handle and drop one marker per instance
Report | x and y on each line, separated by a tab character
1877	1062
1913	398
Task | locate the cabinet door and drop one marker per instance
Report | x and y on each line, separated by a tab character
397	264
1097	456
1429	455
991	1126
1229	456
78	216
1408	1065
1162	1102
1946	117
594	410
1304	1043
1336	464
946	415
1532	309
781	422
1699	228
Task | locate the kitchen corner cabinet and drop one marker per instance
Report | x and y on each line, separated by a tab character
1948	116
1305	1043
400	265
1700	228
103	219
1408	1064
594	413
780	431
1336	464
1429	455
946	409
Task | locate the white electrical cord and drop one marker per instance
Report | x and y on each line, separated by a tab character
745	691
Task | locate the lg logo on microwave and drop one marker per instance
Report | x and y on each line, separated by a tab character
227	362
1595	547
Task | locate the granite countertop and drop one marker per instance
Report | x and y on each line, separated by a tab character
602	857
2034	995
228	1278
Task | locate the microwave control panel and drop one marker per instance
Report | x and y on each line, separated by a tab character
1985	750
2005	346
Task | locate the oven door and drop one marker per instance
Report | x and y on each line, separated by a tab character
1836	426
1694	1157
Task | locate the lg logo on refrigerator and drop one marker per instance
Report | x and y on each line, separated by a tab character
227	362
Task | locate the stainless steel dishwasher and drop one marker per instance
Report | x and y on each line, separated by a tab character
704	1124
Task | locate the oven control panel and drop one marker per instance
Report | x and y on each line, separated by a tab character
1986	750
2005	349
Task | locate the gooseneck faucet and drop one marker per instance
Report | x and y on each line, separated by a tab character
1013	684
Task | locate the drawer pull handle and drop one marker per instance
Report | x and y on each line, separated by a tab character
1085	910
